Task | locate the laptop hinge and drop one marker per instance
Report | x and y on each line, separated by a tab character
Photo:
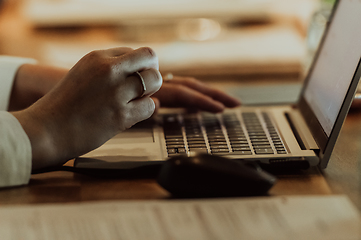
301	131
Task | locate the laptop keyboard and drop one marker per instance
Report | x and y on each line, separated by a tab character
222	134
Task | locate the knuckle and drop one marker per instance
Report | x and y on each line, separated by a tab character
128	49
96	65
124	50
190	80
178	88
93	55
149	51
103	67
158	80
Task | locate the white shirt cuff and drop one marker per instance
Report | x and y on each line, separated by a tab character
8	69
15	152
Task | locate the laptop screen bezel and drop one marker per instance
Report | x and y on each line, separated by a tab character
327	143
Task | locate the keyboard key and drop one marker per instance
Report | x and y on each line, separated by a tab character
259	140
198	150
239	142
219	146
243	152
196	138
192	136
181	150
261	137
172	150
241	149
262	147
217	140
240	145
173	136
256	134
199	145
175	145
263	151
177	141
196	141
236	139
220	150
278	145
263	142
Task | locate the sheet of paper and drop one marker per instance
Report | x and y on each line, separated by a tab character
281	218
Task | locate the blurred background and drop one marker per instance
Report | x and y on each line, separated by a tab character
242	40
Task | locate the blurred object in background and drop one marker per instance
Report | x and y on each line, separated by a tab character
148	21
198	29
45	13
223	42
246	53
267	94
187	29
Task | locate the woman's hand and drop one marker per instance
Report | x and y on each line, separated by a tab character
98	98
190	93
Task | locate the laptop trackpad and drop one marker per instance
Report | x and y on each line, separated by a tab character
141	142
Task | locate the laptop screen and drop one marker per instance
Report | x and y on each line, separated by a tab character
335	67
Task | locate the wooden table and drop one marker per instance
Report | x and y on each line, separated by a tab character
341	177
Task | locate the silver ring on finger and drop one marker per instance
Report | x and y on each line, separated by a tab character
144	88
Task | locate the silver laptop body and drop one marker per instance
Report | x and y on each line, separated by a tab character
302	135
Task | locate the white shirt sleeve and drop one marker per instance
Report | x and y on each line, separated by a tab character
15	147
15	152
8	69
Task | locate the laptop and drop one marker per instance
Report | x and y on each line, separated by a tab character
301	135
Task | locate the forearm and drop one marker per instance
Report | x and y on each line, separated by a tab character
31	83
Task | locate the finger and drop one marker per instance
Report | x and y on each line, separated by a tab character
140	109
182	96
118	51
152	80
157	104
216	94
137	60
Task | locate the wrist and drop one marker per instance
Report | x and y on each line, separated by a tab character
31	83
43	147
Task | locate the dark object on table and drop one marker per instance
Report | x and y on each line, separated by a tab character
213	176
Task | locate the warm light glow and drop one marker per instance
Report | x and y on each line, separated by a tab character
198	29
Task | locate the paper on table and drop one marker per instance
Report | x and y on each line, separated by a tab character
296	217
